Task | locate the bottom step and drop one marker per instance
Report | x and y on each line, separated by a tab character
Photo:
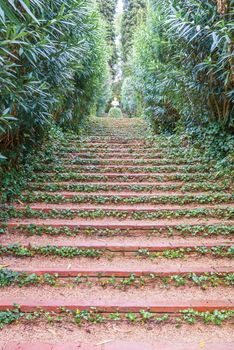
117	345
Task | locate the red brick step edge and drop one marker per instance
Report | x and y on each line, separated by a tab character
108	272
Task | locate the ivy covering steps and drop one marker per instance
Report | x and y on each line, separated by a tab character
120	227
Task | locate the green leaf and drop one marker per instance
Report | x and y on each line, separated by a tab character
8	12
27	9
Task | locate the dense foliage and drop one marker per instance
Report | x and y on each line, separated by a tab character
133	17
57	57
182	64
107	9
53	68
129	98
133	12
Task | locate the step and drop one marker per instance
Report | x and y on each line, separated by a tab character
104	187
130	247
102	139
128	197
104	183
31	305
117	186
126	272
132	167
127	194
123	208
116	345
137	176
137	212
86	146
131	161
177	230
122	171
111	155
139	226
96	141
128	168
110	150
131	194
108	185
117	261
133	153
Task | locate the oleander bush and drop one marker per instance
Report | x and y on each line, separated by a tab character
53	69
134	11
129	98
181	67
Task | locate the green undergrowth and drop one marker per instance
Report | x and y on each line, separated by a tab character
72	175
212	144
218	197
94	316
226	213
135	162
204	281
123	169
90	154
14	180
89	188
219	251
72	252
47	159
65	252
181	230
216	143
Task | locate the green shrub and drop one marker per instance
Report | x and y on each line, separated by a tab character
115	112
53	62
181	63
129	98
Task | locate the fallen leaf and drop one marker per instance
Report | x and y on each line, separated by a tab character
105	342
3	266
121	330
52	331
202	344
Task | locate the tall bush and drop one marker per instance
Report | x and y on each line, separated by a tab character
107	9
134	11
129	98
183	61
53	67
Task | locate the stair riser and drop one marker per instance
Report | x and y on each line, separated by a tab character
99	274
164	308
